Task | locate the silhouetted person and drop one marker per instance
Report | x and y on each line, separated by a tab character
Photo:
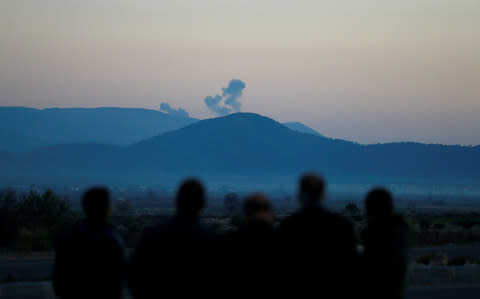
249	265
90	259
386	244
318	247
172	258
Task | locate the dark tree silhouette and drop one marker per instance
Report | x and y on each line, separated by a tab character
32	220
7	223
351	209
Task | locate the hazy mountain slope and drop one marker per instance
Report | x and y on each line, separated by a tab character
24	129
250	143
238	142
299	127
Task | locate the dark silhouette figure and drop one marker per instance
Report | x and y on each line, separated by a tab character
318	247
248	264
174	257
90	259
386	244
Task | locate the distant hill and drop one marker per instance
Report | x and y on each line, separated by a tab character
23	129
249	143
299	127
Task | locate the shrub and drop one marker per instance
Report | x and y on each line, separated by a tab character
7	222
36	239
33	220
351	209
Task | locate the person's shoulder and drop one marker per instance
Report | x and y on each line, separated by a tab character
399	221
293	218
338	221
205	231
115	236
63	239
229	239
71	232
338	218
344	221
290	222
189	225
400	226
160	227
152	233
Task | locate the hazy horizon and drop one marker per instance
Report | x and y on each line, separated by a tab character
366	71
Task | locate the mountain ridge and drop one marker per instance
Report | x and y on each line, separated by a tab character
24	128
299	127
250	143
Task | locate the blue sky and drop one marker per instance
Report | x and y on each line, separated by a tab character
368	71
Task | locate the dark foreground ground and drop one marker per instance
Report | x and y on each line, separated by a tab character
458	292
43	290
28	277
39	268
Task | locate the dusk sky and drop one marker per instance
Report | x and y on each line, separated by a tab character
367	71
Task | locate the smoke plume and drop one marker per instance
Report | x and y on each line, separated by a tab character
165	107
229	101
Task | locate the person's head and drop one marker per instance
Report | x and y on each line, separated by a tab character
311	190
96	204
379	205
257	208
190	197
